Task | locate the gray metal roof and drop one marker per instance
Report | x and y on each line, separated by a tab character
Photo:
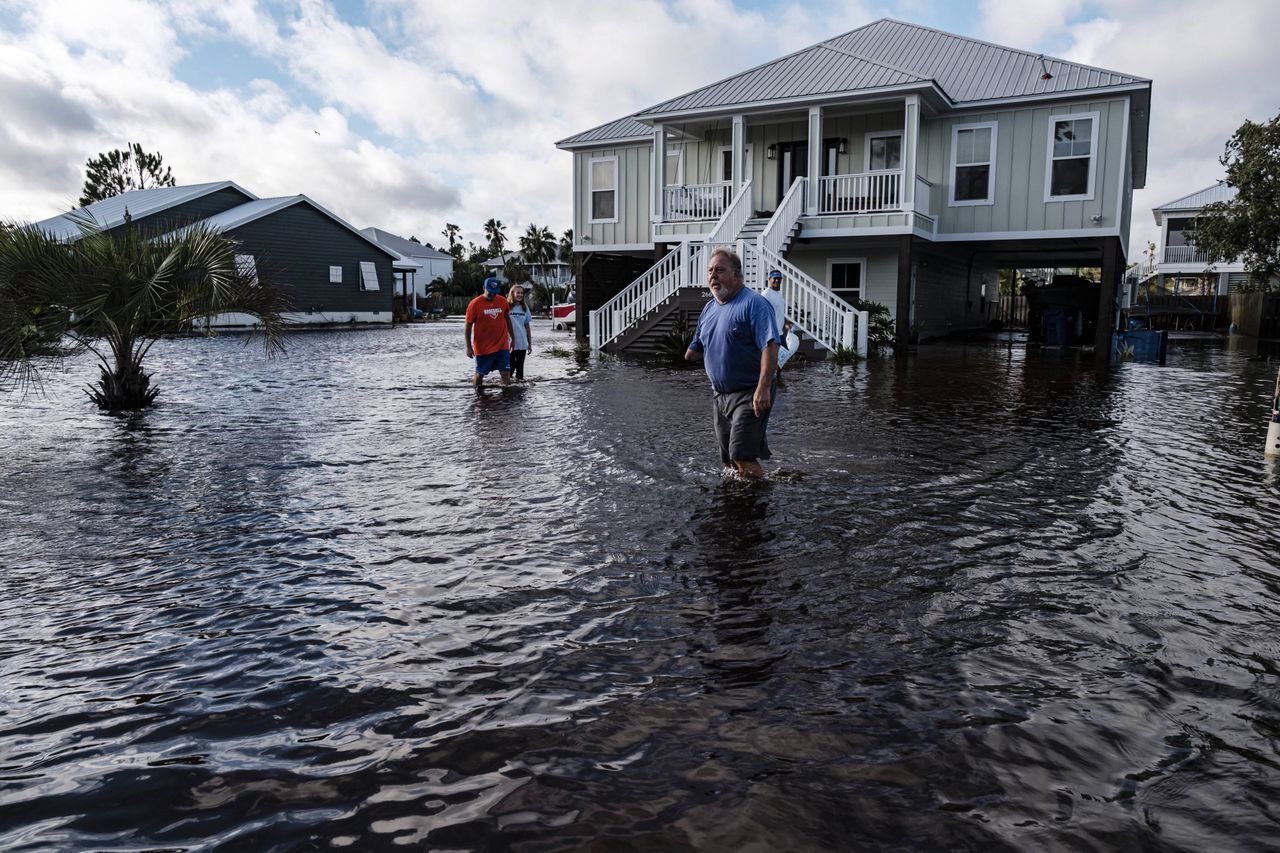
1221	191
401	246
236	217
110	212
615	131
885	54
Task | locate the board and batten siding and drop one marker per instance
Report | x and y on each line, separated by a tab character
1022	157
295	248
633	226
181	215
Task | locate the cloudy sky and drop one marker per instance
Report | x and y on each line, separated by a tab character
408	114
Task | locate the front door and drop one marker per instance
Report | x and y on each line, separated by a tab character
793	162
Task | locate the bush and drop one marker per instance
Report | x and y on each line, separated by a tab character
671	347
880	326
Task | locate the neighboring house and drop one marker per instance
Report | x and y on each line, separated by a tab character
328	271
553	274
1177	266
416	266
894	163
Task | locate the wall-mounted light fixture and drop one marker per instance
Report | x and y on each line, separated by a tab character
771	152
842	147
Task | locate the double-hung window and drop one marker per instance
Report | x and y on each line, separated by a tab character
1073	141
973	159
675	165
884	151
603	187
247	266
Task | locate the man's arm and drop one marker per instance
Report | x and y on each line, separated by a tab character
692	354
467	333
762	400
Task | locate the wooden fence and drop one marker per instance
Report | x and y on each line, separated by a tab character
1011	311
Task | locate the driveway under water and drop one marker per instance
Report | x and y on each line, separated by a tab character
988	599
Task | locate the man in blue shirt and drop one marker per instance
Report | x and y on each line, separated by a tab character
738	343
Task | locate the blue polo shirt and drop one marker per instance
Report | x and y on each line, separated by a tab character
731	337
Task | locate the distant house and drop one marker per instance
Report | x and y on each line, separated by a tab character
328	271
552	274
416	266
1178	267
894	163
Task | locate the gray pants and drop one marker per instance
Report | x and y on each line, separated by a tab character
741	434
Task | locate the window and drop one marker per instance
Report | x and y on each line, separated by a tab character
604	189
1072	142
335	275
847	276
675	166
368	275
247	267
973	154
726	163
884	151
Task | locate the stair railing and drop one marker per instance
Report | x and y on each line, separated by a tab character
735	216
775	234
637	299
816	311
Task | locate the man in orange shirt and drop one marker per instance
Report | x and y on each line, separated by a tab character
489	317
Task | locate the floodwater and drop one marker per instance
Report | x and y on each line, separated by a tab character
989	600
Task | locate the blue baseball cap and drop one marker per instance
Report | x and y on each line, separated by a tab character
492	286
776	274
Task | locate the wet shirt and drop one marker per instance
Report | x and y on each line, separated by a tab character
731	338
489	332
520	320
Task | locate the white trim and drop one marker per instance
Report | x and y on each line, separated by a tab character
614	247
591	190
862	274
881	134
868	231
1027	235
747	167
994	127
1126	161
1095	121
335	274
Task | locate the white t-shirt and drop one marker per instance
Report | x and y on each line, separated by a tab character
779	308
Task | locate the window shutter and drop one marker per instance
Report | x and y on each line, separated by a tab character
368	275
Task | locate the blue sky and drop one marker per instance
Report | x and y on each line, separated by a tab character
408	115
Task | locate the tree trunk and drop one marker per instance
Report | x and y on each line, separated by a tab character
125	388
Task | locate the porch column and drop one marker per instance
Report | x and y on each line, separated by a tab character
1224	283
1112	270
902	323
739	152
659	197
910	137
815	160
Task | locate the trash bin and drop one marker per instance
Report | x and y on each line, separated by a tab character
1055	327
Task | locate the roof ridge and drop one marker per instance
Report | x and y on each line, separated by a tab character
858	56
1018	50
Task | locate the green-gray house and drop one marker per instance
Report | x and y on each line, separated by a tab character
894	163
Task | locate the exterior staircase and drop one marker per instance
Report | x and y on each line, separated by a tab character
644	336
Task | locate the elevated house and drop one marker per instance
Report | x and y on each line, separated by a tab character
554	273
328	271
894	163
1177	266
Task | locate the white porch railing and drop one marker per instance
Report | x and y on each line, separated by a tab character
789	211
640	297
690	202
924	196
865	192
735	216
816	311
1185	255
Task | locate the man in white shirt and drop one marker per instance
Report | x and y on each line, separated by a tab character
773	293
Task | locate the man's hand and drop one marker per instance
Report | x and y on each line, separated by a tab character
470	354
762	401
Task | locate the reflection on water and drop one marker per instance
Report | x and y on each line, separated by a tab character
341	599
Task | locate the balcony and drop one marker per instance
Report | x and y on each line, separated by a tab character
1184	255
697	202
862	192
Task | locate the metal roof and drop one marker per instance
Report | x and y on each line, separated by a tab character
236	217
1221	191
883	55
401	246
110	212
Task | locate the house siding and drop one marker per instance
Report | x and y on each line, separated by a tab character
182	215
1022	145
633	226
296	246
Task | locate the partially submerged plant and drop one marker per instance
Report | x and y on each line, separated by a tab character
880	327
671	347
844	355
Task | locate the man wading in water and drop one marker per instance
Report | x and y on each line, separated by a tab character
738	343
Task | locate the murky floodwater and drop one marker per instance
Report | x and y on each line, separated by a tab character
340	600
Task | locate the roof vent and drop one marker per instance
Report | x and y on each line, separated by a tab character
1044	69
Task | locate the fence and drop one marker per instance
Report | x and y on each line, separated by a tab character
1011	311
1183	313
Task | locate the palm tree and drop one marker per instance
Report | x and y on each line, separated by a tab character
538	247
493	232
116	295
565	253
451	233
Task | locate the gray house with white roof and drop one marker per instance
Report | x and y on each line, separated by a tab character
894	163
1178	261
328	271
416	265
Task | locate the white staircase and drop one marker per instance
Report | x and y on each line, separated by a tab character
812	308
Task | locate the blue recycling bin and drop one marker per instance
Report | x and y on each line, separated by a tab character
1055	327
